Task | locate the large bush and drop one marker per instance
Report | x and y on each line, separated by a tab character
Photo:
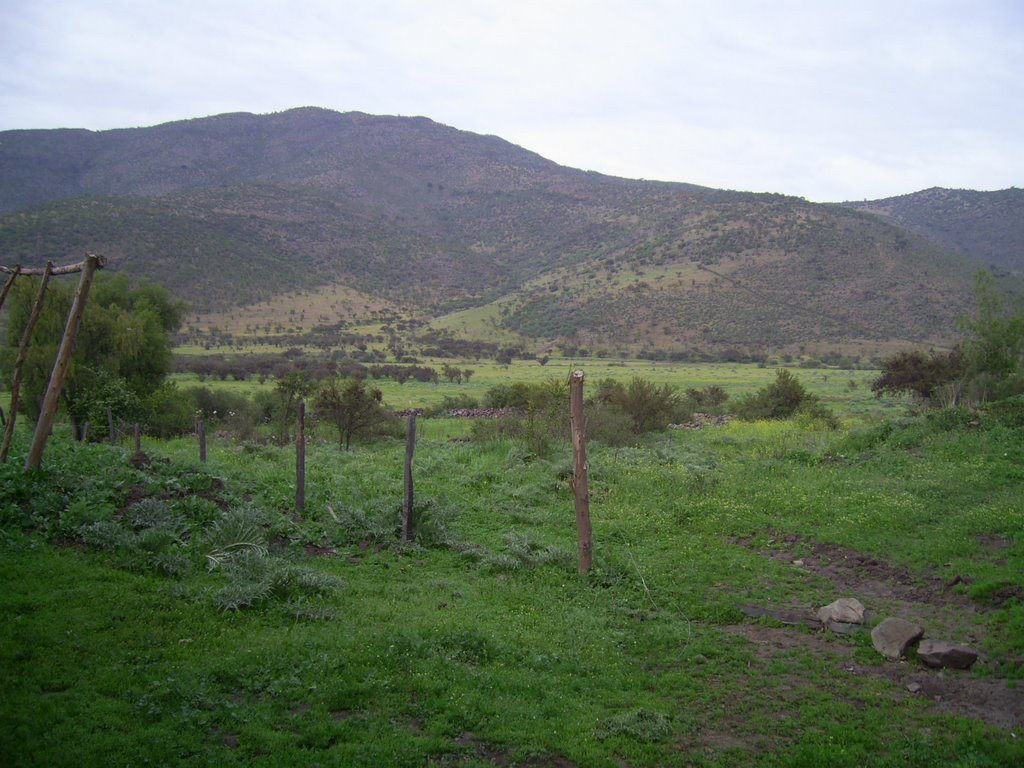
649	407
922	374
783	398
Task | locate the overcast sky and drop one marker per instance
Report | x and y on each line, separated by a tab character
826	99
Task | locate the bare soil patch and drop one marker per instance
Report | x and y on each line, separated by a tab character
471	748
888	590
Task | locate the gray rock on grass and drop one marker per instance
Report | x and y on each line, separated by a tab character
940	653
894	636
845	610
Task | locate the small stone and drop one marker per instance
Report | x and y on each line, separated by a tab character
845	610
940	653
798	563
913	687
893	636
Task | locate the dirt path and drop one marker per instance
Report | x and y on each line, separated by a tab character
890	590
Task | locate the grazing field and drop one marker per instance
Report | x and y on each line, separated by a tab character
847	391
159	611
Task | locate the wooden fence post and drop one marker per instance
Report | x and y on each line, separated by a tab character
580	483
407	506
19	363
138	438
202	441
300	458
110	425
60	366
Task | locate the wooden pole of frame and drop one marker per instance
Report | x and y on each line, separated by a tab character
60	365
19	363
8	283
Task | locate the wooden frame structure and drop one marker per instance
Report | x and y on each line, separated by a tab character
87	268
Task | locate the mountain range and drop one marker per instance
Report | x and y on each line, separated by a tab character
346	220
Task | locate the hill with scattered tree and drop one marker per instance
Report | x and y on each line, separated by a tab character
987	226
470	234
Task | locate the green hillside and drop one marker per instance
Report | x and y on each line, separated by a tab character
239	209
987	226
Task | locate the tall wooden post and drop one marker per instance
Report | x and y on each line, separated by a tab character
60	365
580	483
300	458
138	438
201	431
407	506
19	363
110	425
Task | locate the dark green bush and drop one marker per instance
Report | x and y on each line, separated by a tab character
711	396
782	399
649	407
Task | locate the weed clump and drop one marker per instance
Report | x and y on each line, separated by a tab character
640	724
255	579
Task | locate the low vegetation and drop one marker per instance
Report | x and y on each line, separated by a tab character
193	602
166	611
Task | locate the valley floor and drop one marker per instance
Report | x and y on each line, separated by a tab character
155	610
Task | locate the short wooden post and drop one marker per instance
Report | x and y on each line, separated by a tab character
110	426
60	366
19	363
300	458
580	483
201	430
138	438
407	506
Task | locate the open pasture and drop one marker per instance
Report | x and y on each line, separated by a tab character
848	392
479	645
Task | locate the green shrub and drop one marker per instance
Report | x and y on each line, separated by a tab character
919	373
508	396
650	407
608	424
544	419
782	399
711	396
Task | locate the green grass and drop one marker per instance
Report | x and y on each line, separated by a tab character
481	645
848	392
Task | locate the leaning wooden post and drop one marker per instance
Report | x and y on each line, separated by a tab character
300	458
60	366
8	283
19	364
407	506
580	484
138	438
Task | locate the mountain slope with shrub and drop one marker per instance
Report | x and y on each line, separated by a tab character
987	226
237	209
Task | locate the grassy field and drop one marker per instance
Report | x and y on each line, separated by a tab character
479	644
847	391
